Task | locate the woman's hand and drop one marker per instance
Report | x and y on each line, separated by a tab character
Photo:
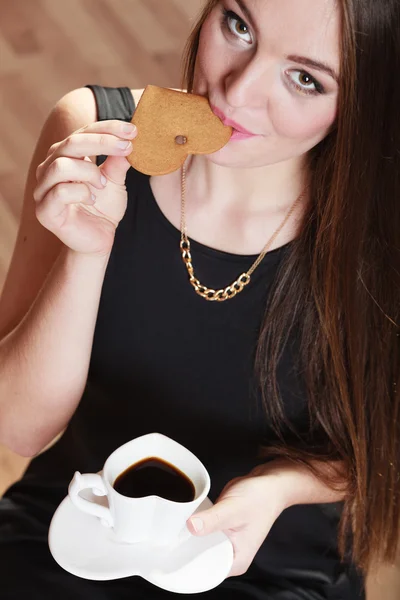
67	179
248	506
245	511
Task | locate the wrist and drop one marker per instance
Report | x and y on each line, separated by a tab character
278	476
295	483
74	257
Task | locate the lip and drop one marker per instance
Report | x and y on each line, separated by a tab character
230	123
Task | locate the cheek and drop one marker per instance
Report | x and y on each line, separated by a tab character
205	46
211	56
302	120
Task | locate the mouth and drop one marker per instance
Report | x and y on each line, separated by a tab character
237	128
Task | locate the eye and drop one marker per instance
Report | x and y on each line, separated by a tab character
305	80
234	25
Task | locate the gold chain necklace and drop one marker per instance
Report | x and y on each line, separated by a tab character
244	279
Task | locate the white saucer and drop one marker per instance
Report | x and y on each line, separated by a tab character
85	548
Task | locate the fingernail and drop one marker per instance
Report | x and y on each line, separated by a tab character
124	145
103	180
129	128
197	524
93	198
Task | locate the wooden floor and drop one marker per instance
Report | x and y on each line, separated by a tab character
49	47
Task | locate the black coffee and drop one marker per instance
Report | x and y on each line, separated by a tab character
154	476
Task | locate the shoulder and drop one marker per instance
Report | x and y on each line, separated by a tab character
78	104
136	94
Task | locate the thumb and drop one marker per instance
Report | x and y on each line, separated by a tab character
217	518
115	168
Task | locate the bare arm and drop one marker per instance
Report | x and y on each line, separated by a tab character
50	299
44	361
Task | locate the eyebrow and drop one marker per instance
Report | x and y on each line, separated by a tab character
314	64
308	62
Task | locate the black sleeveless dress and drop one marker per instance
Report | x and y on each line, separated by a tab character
165	360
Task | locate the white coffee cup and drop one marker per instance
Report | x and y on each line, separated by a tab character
148	519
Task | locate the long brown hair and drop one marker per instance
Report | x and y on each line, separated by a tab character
339	288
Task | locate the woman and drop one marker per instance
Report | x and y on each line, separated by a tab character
286	389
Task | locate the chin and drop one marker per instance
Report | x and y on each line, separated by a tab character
226	158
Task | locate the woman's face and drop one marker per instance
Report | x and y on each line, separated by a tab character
249	66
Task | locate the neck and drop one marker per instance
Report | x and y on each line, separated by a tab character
260	190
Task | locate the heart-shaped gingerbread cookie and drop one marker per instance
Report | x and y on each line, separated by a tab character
171	125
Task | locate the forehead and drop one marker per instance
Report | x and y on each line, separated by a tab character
307	27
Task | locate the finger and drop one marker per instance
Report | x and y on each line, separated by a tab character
245	545
41	169
114	169
224	515
64	170
52	149
83	145
58	198
122	129
113	126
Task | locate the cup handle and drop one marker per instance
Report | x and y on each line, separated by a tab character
90	480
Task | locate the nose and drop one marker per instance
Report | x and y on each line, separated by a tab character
248	84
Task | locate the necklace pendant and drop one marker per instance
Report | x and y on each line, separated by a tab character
208	293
